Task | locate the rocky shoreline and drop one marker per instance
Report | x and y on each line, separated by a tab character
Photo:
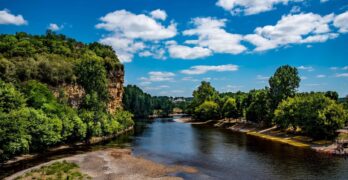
272	134
117	164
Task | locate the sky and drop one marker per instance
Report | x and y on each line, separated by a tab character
170	46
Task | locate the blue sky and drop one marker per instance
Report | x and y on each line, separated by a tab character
168	46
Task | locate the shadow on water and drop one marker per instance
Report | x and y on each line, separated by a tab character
216	153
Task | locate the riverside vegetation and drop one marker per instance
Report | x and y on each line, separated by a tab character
32	116
315	114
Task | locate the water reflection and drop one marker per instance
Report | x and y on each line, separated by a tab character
217	153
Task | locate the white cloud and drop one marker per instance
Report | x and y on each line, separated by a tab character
7	18
159	14
333	68
149	88
125	48
188	78
55	27
341	22
260	77
202	69
295	9
185	52
303	77
157	76
136	33
323	1
249	7
135	26
292	29
306	68
321	76
342	75
345	68
211	35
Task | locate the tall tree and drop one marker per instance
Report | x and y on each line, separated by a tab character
283	84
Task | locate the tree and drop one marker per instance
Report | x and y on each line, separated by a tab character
332	95
137	102
208	110
259	110
316	115
10	98
205	92
229	109
283	84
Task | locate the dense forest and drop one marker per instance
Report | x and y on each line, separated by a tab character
316	114
32	116
143	105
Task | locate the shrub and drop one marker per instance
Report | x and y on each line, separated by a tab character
207	110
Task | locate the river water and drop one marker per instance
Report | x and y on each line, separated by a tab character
221	154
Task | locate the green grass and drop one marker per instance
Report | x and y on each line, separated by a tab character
57	171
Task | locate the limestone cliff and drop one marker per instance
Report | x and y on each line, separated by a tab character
74	92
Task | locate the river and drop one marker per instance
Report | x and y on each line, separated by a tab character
223	154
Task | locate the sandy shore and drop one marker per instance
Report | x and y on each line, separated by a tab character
118	164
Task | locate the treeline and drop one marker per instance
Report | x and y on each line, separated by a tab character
32	118
143	105
317	114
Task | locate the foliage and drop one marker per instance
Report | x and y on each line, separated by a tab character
10	98
208	110
283	84
230	109
205	92
259	110
316	115
137	102
143	105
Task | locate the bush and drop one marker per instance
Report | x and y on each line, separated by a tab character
316	115
259	109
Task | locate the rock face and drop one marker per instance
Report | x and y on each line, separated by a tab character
74	92
115	87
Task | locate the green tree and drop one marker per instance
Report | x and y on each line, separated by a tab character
283	84
205	92
230	109
259	110
208	110
316	115
10	98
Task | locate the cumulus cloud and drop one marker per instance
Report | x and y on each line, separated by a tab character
125	48
135	26
306	68
292	29
202	69
211	35
341	22
7	18
157	76
130	33
186	52
159	14
55	27
250	7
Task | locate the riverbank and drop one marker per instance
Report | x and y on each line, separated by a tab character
94	140
271	134
117	164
